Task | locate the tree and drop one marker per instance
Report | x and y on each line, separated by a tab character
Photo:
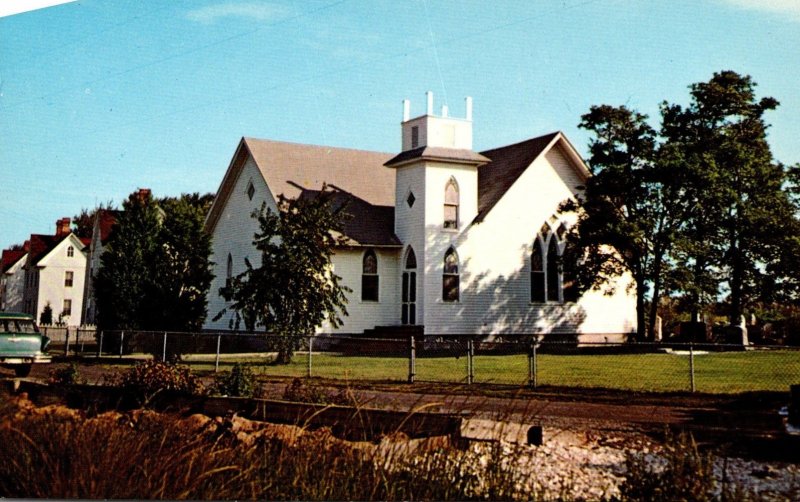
743	218
177	300
155	270
294	290
126	274
626	216
699	208
46	317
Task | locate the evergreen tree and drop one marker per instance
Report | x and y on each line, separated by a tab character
294	290
156	271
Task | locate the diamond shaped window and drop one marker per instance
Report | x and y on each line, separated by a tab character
410	199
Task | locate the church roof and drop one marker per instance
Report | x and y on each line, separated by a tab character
362	180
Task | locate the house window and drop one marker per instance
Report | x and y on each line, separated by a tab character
450	278
410	199
451	205
67	308
414	136
369	277
70	252
537	272
68	275
251	190
229	272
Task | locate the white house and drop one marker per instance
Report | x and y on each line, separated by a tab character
54	273
443	238
12	278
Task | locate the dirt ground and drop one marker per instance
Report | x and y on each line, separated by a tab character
747	425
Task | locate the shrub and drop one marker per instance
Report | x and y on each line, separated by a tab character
148	378
239	382
303	392
68	375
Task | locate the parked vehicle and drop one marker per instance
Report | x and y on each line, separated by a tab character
21	343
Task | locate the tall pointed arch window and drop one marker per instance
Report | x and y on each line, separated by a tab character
450	277
547	274
70	252
369	277
537	272
451	204
553	266
408	299
229	271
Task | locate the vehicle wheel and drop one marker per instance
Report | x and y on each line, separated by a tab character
22	370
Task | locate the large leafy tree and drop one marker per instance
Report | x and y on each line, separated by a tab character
155	270
294	289
742	217
627	215
700	208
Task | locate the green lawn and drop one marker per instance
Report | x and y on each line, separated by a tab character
730	372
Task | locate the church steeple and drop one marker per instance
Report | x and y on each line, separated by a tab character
436	131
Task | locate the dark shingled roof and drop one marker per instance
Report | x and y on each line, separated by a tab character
437	153
507	164
106	219
10	257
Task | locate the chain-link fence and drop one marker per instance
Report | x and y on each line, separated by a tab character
468	359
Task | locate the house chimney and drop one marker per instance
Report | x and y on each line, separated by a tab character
63	227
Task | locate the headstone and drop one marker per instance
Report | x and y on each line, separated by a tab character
657	331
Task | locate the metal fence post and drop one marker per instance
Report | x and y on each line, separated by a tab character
470	367
412	359
310	348
100	345
532	365
216	361
691	366
66	343
121	342
164	349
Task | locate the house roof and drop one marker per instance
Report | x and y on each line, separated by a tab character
42	245
366	183
105	219
10	257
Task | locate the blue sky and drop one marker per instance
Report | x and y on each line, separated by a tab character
100	97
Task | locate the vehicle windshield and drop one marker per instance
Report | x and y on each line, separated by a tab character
17	326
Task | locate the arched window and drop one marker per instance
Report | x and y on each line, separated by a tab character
537	272
451	204
553	266
70	251
450	277
408	312
369	277
229	271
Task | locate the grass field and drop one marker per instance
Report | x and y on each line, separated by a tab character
715	372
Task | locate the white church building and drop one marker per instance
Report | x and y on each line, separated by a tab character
442	238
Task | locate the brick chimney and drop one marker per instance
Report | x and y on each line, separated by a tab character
63	226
